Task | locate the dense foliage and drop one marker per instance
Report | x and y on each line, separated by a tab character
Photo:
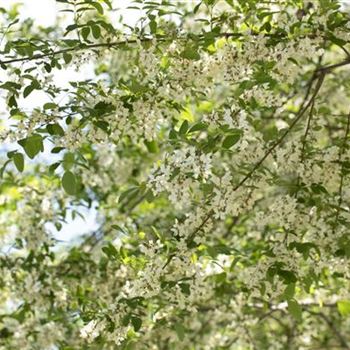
212	139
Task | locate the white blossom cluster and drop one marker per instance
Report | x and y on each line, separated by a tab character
219	167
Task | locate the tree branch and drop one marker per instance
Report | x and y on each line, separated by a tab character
283	136
305	105
124	42
333	328
341	184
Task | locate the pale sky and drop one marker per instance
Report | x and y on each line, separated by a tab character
44	13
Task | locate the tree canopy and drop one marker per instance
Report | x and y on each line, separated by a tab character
211	138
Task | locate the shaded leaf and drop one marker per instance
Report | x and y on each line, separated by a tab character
137	323
231	140
98	7
183	128
190	53
180	331
69	182
27	90
152	146
18	159
96	31
295	309
67	57
32	145
55	129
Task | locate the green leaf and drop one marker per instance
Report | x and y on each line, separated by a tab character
196	8
337	41
158	234
68	160
180	331
198	126
190	53
12	101
129	194
152	146
137	323
18	159
270	133
10	86
3	168
295	309
69	183
126	320
27	90
54	166
47	67
153	27
344	307
231	140
266	26
57	149
55	129
103	125
318	188
50	105
289	291
111	251
98	7
172	134
96	31
183	128
137	88
67	57
304	248
85	33
32	145
185	288
119	228
288	276
109	4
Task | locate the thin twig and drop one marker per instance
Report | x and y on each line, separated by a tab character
333	328
327	69
307	129
302	111
148	39
283	136
341	184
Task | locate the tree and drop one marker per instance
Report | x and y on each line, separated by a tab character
212	139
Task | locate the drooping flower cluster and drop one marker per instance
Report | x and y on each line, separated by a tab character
214	145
